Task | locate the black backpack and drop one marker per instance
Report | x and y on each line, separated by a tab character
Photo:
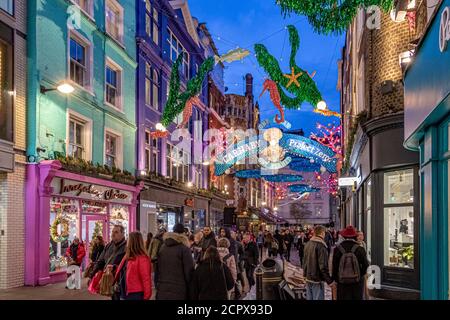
349	272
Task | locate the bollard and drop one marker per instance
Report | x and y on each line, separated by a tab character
259	282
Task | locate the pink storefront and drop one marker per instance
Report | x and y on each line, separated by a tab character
61	205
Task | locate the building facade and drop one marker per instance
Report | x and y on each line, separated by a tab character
427	130
385	201
13	86
176	179
80	143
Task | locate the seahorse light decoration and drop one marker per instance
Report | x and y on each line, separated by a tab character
307	90
275	97
187	112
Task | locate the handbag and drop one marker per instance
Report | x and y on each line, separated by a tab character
106	284
94	285
88	270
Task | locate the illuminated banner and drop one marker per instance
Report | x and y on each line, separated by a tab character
302	188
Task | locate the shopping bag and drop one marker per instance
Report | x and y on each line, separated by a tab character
94	285
88	270
107	284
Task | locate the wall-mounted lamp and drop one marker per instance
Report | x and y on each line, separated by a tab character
405	58
64	87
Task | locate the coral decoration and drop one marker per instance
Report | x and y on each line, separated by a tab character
275	97
327	113
330	137
159	134
187	112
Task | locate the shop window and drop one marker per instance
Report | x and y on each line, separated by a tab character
64	227
114	19
152	21
167	218
399	218
119	215
6	84
113	79
93	207
7	6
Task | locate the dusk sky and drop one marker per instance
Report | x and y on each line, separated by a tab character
238	23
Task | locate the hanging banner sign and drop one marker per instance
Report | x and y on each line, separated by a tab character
347	182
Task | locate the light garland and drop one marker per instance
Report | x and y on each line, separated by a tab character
302	188
330	137
256	174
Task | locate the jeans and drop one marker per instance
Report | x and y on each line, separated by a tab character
315	291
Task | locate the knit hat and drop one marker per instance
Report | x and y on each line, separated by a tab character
349	232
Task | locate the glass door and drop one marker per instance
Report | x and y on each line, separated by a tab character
93	226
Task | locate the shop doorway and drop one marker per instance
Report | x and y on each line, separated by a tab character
93	226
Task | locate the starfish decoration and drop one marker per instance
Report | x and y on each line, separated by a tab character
293	78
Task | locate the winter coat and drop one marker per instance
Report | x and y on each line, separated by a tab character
111	255
279	238
230	261
80	253
301	242
207	241
174	268
360	254
197	253
96	252
233	245
251	254
138	275
154	248
211	282
315	262
240	255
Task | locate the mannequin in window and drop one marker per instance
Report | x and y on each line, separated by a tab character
404	226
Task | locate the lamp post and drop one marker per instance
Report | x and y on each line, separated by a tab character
64	87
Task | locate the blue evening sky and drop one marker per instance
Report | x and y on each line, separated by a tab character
246	22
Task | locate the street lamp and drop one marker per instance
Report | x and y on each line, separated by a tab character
64	87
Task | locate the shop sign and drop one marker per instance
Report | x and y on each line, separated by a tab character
348	181
444	29
189	202
148	204
78	189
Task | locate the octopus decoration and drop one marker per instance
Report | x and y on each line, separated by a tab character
272	87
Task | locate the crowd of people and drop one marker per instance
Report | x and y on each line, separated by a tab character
181	265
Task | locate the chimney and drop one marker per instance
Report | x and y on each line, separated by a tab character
249	85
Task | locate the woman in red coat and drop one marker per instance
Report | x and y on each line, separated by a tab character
133	273
76	252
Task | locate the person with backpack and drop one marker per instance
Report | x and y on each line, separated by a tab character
349	266
315	265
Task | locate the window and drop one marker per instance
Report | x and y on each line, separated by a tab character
152	86
175	49
114	19
111	154
198	176
177	163
113	84
7	6
85	5
152	22
318	210
6	84
78	62
399	218
77	138
151	153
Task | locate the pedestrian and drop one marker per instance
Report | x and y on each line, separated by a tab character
260	243
148	243
97	249
329	239
133	276
239	257
349	266
112	255
301	242
209	239
251	259
195	247
271	245
295	242
228	258
281	245
226	233
153	251
175	266
75	252
315	265
360	240
288	239
212	279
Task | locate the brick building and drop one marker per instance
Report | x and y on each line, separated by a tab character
13	77
385	202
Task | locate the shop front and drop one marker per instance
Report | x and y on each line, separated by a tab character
427	131
60	206
385	205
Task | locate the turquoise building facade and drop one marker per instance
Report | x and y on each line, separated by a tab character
427	130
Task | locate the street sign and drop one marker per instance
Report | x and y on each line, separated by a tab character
347	181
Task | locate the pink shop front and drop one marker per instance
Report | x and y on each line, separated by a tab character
61	205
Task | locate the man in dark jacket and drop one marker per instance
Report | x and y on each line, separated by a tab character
354	289
112	254
280	239
315	265
288	239
251	258
301	242
175	266
209	239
